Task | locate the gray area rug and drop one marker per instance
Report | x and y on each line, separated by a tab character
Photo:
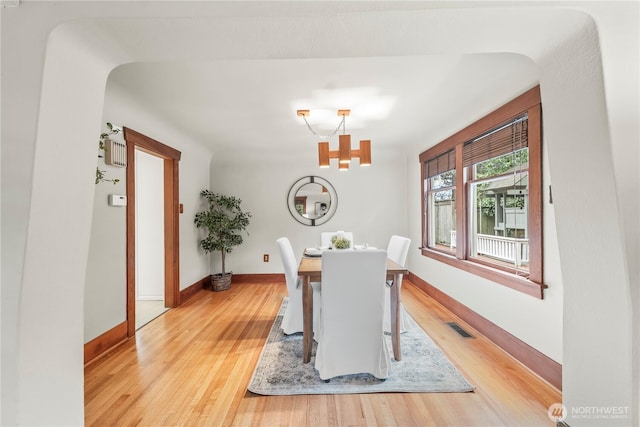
423	368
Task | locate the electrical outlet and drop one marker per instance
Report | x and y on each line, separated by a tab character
265	257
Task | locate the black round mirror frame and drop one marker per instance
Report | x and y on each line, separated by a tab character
324	213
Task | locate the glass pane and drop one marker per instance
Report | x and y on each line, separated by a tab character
499	220
504	164
445	179
442	220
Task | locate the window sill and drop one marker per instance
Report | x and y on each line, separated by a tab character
509	280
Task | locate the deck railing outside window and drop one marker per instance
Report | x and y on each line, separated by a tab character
507	249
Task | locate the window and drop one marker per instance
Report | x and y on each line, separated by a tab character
441	199
482	205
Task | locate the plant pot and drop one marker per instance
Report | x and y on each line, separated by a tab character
220	282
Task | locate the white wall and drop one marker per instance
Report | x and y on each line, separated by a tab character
46	243
371	203
586	305
120	109
534	321
105	285
149	227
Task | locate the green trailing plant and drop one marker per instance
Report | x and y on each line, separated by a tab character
100	174
223	220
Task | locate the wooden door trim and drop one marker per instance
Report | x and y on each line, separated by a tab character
171	156
131	238
171	234
150	145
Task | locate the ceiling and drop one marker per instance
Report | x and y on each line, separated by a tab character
395	101
398	101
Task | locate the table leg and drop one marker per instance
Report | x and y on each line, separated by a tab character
307	318
395	316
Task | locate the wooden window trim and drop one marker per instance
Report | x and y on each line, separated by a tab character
529	102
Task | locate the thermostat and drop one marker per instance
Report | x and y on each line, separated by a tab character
117	200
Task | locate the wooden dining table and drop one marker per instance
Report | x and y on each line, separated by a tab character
310	270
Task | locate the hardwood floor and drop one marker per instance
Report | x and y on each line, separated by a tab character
192	366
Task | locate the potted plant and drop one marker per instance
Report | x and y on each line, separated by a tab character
340	242
223	220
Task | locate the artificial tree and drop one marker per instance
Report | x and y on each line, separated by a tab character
223	220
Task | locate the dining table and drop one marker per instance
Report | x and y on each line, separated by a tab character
310	270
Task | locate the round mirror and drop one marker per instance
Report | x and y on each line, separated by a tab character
312	200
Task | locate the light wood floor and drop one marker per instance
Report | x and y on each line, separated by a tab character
192	366
147	310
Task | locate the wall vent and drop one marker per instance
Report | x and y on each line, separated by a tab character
115	153
459	330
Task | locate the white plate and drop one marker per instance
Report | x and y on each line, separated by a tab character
313	252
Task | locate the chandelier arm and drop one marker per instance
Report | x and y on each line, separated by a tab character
341	124
309	126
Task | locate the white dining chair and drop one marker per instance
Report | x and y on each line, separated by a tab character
292	319
350	333
396	251
325	237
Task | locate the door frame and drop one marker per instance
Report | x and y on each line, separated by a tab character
171	157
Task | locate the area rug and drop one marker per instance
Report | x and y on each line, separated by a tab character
423	368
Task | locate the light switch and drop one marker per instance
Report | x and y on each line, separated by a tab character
117	200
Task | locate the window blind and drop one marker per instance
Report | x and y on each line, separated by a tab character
497	142
444	162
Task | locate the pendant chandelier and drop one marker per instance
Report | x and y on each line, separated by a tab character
344	153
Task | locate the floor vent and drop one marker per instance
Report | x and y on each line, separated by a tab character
459	330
